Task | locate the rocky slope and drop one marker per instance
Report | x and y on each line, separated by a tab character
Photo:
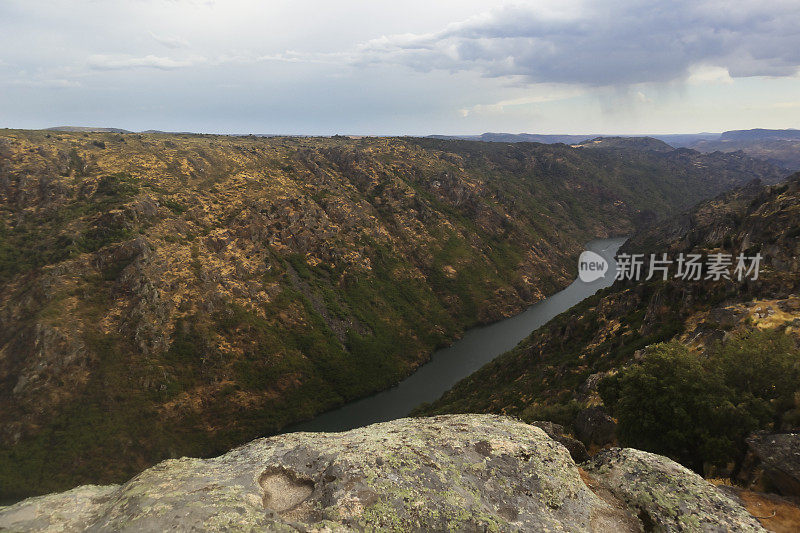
555	373
773	463
163	295
451	473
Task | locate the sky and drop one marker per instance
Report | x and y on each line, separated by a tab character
415	67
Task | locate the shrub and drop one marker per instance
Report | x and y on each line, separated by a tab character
118	185
698	410
762	369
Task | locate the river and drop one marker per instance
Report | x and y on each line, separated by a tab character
449	365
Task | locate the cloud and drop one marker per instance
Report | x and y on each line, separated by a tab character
612	43
294	56
170	41
107	62
56	83
705	74
783	105
524	103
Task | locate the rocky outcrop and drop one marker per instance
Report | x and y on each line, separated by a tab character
593	425
773	463
446	473
557	432
666	496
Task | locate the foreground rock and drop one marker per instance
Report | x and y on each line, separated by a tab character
773	463
593	425
665	495
447	473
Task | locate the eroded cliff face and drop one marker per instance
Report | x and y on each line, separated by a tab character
447	473
163	295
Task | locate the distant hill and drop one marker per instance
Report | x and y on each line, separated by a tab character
90	129
779	147
170	132
637	143
522	137
519	138
685	140
87	129
760	134
678	140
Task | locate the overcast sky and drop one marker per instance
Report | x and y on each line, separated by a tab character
401	67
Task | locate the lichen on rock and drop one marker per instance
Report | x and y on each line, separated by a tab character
665	495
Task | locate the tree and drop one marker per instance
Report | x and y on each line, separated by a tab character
669	404
699	410
762	368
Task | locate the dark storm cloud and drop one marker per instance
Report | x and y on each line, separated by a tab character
608	43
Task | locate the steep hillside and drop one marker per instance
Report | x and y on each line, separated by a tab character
555	373
163	295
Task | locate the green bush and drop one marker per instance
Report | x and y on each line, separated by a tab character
762	369
118	185
699	410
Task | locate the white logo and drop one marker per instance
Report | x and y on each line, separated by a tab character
591	266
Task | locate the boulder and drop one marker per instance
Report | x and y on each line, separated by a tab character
593	425
665	495
773	463
557	432
588	391
445	473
